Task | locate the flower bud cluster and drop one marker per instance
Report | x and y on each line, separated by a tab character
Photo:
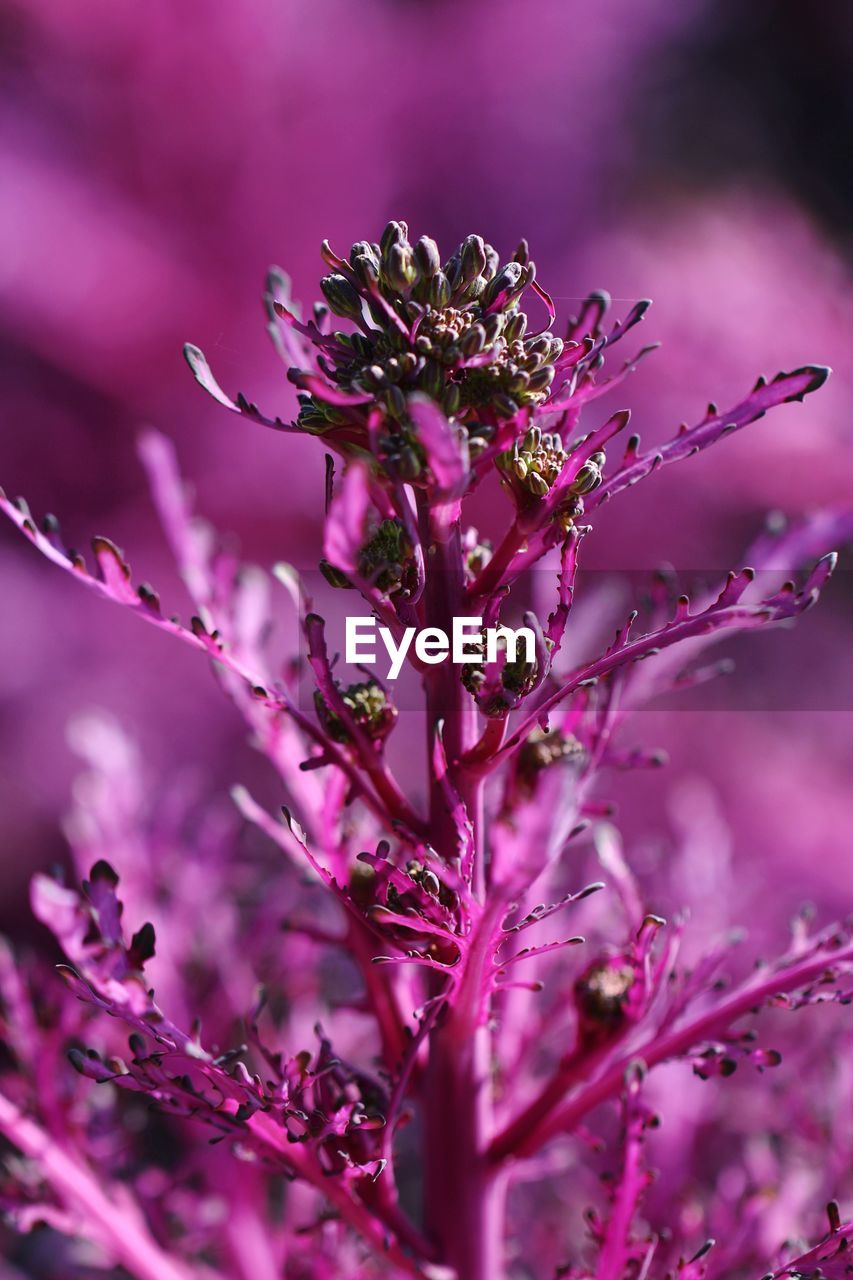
544	748
370	709
602	995
535	461
499	686
385	561
453	331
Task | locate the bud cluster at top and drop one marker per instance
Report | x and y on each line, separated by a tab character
453	331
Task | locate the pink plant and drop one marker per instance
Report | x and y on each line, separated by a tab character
450	1112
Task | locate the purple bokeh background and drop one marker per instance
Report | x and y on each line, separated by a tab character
156	164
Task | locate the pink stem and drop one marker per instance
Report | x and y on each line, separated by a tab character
463	1193
616	1254
493	574
380	993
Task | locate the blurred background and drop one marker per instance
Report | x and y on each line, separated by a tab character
156	162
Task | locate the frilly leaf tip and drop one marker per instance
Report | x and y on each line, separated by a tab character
103	870
277	277
194	357
819	374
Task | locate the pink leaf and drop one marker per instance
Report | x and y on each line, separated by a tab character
445	446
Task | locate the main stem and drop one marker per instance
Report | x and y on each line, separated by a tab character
463	1192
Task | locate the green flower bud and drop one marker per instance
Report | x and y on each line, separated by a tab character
400	268
542	378
568	513
452	399
493	326
343	299
473	254
504	405
363	249
439	290
540	346
427	879
474	290
366	269
408	465
522	253
361	345
505	282
492	262
601	995
427	257
453	269
334	577
587	479
473	340
543	749
395	401
432	379
394	233
515	327
362	884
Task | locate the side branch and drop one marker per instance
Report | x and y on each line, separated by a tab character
545	1117
729	612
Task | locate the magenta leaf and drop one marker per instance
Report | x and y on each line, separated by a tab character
346	526
445	447
201	371
713	427
830	1260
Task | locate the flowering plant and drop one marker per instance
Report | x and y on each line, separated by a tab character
477	1061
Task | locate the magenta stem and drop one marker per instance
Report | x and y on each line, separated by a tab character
463	1195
